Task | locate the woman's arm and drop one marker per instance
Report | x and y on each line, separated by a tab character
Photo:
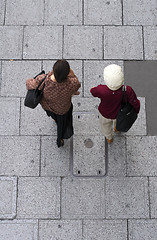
32	83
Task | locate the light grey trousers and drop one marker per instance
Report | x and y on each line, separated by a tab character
106	126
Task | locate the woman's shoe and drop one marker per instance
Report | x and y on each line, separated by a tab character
109	140
115	129
62	142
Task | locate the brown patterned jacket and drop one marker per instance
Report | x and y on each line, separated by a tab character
57	96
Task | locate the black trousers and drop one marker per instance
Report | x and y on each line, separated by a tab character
64	124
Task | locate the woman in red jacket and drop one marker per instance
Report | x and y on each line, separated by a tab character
110	95
60	85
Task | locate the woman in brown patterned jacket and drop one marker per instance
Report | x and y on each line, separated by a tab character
60	85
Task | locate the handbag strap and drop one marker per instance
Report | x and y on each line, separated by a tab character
41	83
124	94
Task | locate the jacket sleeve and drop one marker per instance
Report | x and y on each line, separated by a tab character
132	99
94	91
32	83
75	82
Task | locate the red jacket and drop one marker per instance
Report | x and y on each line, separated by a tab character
111	100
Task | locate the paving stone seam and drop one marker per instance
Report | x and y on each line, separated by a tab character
127	229
143	43
61	191
103	43
83	12
63	35
20	117
82	85
122	12
40	156
149	198
5	10
23	42
77	25
44	13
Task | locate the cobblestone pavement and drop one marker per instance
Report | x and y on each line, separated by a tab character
85	190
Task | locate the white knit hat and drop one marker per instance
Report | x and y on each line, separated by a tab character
113	76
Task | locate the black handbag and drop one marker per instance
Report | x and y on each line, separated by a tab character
126	115
34	96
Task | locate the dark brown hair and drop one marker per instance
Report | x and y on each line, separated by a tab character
61	70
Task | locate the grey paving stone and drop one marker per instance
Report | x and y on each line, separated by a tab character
123	42
93	74
38	197
83	199
140	126
19	229
87	46
140	12
9	118
8	190
36	122
150	35
117	157
89	156
24	12
54	161
42	42
103	12
142	229
15	74
28	148
63	12
141	156
0	76
11	42
81	124
84	104
105	229
2	9
70	229
153	196
127	198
